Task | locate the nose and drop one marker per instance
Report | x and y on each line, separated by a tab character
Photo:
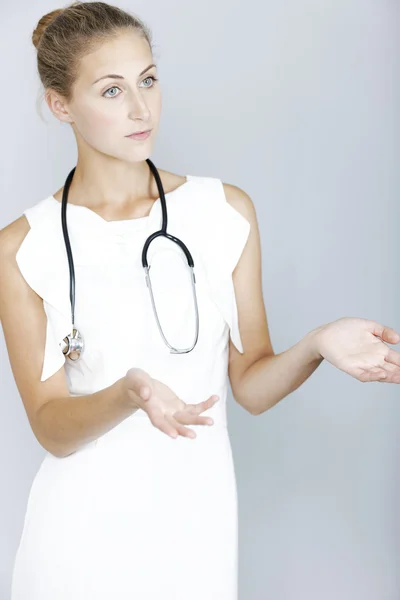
139	108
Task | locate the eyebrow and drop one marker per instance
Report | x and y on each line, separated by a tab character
115	76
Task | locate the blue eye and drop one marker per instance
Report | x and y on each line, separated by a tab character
113	95
151	77
117	88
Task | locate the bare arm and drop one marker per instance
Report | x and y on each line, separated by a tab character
65	424
60	422
260	378
273	377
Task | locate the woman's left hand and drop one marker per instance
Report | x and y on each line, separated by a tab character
359	347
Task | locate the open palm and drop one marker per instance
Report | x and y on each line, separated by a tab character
359	347
165	409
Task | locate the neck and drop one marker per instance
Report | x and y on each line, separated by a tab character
116	184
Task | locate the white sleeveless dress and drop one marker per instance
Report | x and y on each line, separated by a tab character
135	514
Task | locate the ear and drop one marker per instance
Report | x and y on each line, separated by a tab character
58	106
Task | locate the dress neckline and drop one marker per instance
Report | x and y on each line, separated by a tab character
125	223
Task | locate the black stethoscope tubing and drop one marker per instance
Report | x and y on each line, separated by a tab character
74	341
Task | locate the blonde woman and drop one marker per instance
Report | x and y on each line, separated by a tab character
136	495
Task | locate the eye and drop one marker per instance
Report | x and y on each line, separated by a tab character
117	88
151	77
113	95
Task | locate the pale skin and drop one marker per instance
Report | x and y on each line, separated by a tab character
113	179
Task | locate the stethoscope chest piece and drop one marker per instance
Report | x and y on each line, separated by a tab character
73	345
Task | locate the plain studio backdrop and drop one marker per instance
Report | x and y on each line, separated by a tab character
297	103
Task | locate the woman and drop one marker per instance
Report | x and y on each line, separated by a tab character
124	505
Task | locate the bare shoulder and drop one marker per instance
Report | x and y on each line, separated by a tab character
170	180
11	237
241	201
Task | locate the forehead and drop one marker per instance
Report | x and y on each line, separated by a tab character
129	53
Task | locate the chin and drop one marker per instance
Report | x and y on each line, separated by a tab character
137	156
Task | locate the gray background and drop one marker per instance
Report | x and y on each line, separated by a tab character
297	103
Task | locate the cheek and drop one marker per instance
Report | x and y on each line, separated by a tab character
156	107
98	128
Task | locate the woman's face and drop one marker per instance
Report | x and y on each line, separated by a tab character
104	112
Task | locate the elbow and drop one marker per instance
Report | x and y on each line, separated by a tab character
249	407
52	446
55	450
253	410
58	452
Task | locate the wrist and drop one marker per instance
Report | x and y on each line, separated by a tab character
313	342
126	396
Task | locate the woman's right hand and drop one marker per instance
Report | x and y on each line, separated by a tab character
166	411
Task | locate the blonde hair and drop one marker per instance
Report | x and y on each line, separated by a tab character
63	36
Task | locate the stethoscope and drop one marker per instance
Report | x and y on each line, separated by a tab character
73	344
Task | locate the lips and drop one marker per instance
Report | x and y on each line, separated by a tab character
138	132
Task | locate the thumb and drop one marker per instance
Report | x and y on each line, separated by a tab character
390	335
387	334
140	383
145	392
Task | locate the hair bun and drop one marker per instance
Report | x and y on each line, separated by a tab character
43	23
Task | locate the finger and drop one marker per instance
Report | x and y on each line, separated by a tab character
393	357
392	373
157	419
189	418
181	429
373	374
205	405
165	427
387	334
